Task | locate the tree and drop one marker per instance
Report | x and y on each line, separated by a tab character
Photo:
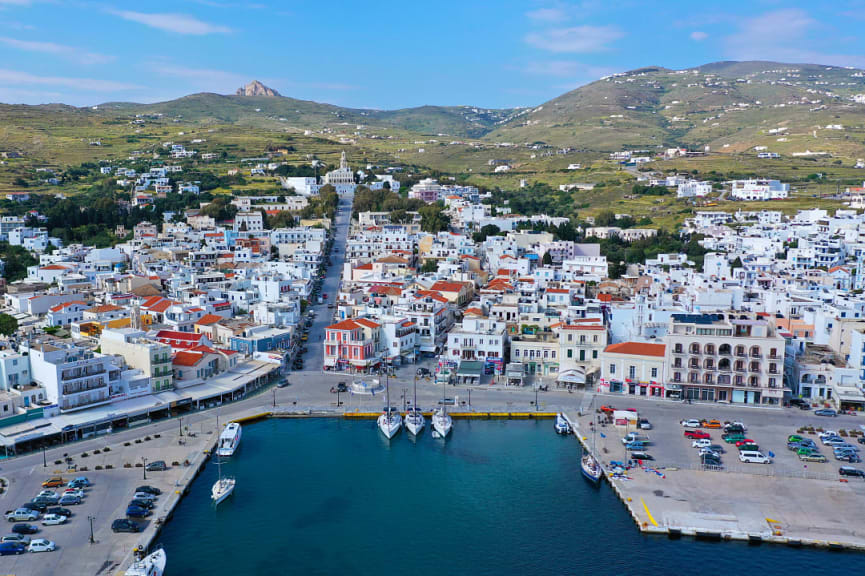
433	219
8	324
737	263
547	260
429	266
485	232
605	218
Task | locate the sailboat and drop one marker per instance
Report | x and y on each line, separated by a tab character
414	420
224	487
151	565
589	466
390	420
441	420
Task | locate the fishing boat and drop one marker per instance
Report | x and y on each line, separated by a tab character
224	487
390	421
229	439
562	425
150	565
590	468
414	420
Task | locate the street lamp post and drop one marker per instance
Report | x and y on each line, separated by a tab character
180	425
144	467
470	398
274	397
91	518
44	458
536	397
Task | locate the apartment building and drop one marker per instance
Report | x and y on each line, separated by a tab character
74	378
153	358
730	357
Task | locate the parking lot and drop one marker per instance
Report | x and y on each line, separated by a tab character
106	500
769	429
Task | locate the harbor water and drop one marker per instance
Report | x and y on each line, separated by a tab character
329	496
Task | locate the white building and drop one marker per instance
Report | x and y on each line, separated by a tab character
759	190
693	188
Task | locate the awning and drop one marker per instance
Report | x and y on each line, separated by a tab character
470	369
574	376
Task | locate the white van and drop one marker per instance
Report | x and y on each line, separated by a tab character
754	457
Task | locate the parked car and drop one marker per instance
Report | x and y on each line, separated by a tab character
148	504
812	457
825	412
794	438
144	496
53	520
125	525
74	492
697	434
69	500
53	482
80	482
692	423
22	515
848	457
711	424
25	529
10	548
45	501
644	424
834	441
732	438
735	427
744	441
861	440
851	471
636	446
709	452
423	372
16	539
137	512
634	437
717	448
156	466
42	545
47	494
701	443
807	450
61	511
39	507
797	402
149	490
641	456
742	447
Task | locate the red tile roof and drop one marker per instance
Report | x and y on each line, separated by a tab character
367	322
208	319
344	325
637	349
187	358
104	308
442	286
60	307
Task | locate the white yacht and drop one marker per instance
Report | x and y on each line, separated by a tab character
229	439
151	565
223	487
414	420
390	422
442	422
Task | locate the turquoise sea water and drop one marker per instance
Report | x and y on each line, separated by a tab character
327	496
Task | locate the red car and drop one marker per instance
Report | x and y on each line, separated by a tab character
744	442
607	409
697	434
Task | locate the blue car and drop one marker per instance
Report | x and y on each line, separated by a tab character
10	548
137	512
825	412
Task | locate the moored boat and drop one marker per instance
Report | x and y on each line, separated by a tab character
151	565
229	440
442	422
562	425
390	422
590	468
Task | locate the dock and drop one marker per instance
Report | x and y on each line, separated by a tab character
731	506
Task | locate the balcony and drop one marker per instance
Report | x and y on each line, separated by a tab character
679	352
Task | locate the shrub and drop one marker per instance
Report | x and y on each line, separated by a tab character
106	449
127	465
84	454
57	462
127	444
109	466
97	467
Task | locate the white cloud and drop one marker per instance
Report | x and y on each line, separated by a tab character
788	35
67	52
548	15
578	39
698	35
177	23
90	84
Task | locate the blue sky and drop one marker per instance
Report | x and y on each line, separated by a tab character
394	54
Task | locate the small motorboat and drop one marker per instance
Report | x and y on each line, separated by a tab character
150	565
562	425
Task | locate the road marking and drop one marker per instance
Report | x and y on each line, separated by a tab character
649	514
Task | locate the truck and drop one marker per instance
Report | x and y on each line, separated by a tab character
22	515
635	437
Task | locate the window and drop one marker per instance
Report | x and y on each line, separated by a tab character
632	372
517	352
654	372
612	368
595	354
582	355
570	353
